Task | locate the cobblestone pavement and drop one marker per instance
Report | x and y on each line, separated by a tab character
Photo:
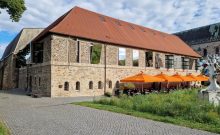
55	116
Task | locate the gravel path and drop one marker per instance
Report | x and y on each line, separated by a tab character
45	116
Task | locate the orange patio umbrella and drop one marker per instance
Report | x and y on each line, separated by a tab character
184	78
168	78
202	78
141	77
193	77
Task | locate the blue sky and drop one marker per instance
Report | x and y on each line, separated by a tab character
165	15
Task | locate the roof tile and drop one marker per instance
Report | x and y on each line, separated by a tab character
83	23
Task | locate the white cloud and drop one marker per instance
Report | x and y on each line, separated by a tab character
168	16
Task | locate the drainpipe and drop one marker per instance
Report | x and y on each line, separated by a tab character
105	69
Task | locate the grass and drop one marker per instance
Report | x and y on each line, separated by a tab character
180	108
3	129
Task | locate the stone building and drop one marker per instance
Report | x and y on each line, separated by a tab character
204	40
9	64
84	53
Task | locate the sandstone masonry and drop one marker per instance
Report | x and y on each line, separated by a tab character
60	67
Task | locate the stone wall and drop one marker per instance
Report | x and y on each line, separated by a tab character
9	73
22	81
85	73
63	71
60	67
47	49
39	79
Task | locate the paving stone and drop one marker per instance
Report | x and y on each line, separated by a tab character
55	116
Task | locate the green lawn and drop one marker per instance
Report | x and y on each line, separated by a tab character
3	129
180	108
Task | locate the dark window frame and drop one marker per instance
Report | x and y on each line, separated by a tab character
110	84
117	84
78	52
148	57
185	63
169	61
100	85
217	50
66	86
37	52
77	86
90	85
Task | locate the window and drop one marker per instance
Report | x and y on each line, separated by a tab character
35	80
121	56
177	62
216	50
110	84
196	64
117	85
78	51
135	58
95	53
159	63
149	59
66	86
191	63
37	56
39	81
90	85
77	85
204	52
100	86
169	61
185	63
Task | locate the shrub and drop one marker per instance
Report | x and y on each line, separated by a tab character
108	94
182	104
218	109
103	101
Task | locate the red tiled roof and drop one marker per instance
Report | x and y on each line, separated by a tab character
86	24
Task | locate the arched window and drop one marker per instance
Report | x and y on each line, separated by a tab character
39	81
77	85
216	50
90	85
66	86
110	84
117	85
204	52
100	85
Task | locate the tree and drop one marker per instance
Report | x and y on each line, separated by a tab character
15	8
